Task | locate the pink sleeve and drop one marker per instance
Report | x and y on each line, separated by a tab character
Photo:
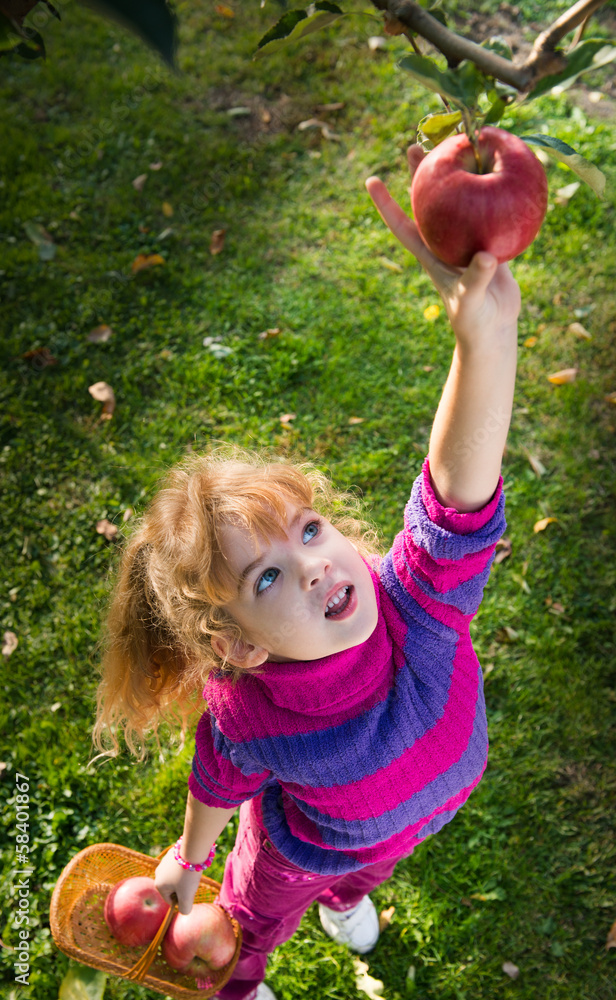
451	519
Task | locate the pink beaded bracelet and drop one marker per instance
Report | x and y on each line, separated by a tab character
186	864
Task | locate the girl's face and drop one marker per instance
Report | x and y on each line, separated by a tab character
303	596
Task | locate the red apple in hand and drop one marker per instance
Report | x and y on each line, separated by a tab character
134	910
200	941
459	210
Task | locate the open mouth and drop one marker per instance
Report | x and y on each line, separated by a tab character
339	603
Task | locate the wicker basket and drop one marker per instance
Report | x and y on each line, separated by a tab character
80	931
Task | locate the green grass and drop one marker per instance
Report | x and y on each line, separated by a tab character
525	871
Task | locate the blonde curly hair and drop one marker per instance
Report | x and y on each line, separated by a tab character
173	582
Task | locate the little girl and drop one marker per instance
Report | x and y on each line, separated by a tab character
344	703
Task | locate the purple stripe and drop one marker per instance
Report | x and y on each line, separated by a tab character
466	597
341	834
443	544
448	517
378	736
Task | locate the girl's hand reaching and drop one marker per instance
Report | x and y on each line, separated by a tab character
472	419
482	301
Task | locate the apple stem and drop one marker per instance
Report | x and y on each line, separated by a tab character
471	131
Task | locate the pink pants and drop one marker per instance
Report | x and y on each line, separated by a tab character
268	896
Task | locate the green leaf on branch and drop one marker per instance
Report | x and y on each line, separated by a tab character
32	47
82	983
461	85
296	24
566	154
589	55
496	111
153	20
434	128
499	46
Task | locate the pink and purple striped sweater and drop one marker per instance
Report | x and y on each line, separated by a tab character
357	757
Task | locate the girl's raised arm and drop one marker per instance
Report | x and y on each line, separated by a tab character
472	420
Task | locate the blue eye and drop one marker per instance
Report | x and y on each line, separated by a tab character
266	579
310	531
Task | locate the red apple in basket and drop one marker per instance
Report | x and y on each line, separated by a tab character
200	941
460	209
134	910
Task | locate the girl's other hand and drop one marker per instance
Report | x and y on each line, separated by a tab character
482	300
173	880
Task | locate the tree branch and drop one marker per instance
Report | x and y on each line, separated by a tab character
543	60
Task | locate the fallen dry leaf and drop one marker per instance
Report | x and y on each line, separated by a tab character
611	397
224	11
611	937
156	166
356	420
40	357
286	418
579	331
128	513
564	194
144	260
432	312
511	970
103	392
564	376
266	116
139	182
390	265
543	523
536	465
334	106
385	918
505	634
42	240
167	209
267	334
503	550
530	341
9	643
367	984
107	529
100	334
326	132
218	241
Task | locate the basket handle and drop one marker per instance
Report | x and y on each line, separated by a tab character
140	968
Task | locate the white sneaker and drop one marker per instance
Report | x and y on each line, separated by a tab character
358	928
264	993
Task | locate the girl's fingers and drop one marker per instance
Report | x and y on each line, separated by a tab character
414	156
479	273
396	219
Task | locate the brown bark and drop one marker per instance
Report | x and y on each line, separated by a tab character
543	60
